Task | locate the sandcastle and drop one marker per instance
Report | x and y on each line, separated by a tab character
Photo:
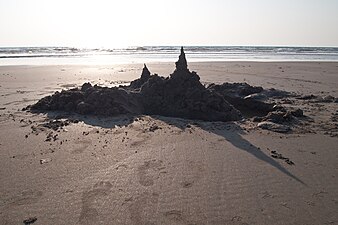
179	95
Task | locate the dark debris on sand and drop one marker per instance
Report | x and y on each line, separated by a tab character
276	155
30	220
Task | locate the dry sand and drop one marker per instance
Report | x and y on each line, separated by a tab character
158	170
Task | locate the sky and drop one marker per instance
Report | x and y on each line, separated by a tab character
118	23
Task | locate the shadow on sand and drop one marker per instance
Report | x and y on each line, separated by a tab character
233	134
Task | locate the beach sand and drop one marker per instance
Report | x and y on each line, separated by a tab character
160	170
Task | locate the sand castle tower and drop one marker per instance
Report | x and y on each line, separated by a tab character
144	78
145	73
181	64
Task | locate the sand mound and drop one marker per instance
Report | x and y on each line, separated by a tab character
179	95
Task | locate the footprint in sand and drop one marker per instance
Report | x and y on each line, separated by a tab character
174	215
192	173
95	196
177	217
139	140
26	197
141	209
149	171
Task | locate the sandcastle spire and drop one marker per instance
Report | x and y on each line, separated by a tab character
181	64
145	73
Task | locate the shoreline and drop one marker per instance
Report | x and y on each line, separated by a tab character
171	62
151	54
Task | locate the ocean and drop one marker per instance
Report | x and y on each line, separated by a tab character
145	54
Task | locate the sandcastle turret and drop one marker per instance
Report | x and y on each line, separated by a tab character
145	73
181	64
144	78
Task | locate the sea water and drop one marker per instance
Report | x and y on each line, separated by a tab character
145	54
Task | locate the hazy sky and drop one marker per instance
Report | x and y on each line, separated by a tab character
109	23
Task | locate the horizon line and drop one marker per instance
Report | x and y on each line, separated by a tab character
133	46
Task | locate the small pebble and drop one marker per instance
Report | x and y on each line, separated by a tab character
30	220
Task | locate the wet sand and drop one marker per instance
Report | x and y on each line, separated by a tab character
160	170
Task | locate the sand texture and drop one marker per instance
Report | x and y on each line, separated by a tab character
64	168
